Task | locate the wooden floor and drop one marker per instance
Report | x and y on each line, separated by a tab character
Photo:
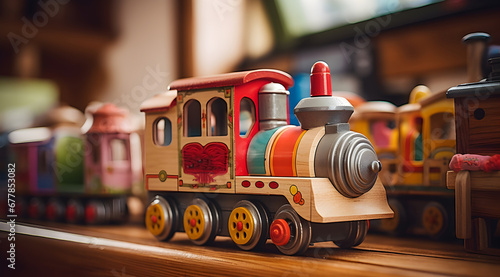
129	250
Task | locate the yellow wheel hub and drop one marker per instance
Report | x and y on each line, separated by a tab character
433	220
194	222
241	225
155	221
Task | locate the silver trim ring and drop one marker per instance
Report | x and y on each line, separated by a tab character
211	217
170	216
344	164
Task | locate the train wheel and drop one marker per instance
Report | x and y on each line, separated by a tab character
398	223
161	218
435	219
201	221
74	211
289	232
54	210
248	225
95	212
355	236
118	209
36	208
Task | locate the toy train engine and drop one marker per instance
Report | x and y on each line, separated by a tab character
322	116
221	159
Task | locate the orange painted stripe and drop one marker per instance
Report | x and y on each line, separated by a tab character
273	148
283	153
294	156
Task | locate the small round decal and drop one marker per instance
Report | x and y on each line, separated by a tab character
162	175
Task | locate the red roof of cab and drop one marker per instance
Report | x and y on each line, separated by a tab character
160	102
232	79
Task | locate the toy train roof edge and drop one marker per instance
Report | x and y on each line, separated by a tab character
167	99
232	79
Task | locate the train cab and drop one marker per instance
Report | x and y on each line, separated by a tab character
205	125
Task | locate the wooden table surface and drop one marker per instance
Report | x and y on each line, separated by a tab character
129	250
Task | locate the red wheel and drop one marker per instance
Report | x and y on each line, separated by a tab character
54	210
299	236
36	208
96	213
74	211
280	232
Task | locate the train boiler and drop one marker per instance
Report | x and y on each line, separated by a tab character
222	160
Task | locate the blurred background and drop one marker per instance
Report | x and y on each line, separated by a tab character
74	52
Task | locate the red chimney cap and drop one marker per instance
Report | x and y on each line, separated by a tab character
321	84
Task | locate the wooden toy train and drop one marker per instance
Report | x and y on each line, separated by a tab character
62	174
221	159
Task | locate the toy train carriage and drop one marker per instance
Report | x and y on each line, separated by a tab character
377	121
63	175
221	160
426	138
425	142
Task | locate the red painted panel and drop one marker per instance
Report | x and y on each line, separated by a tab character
284	151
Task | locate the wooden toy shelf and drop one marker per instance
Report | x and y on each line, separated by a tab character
129	250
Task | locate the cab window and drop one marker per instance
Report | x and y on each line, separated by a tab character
247	116
217	117
118	148
442	126
192	119
162	131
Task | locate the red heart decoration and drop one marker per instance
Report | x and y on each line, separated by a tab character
205	162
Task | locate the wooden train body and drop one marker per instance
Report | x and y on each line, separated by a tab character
63	174
477	193
221	159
